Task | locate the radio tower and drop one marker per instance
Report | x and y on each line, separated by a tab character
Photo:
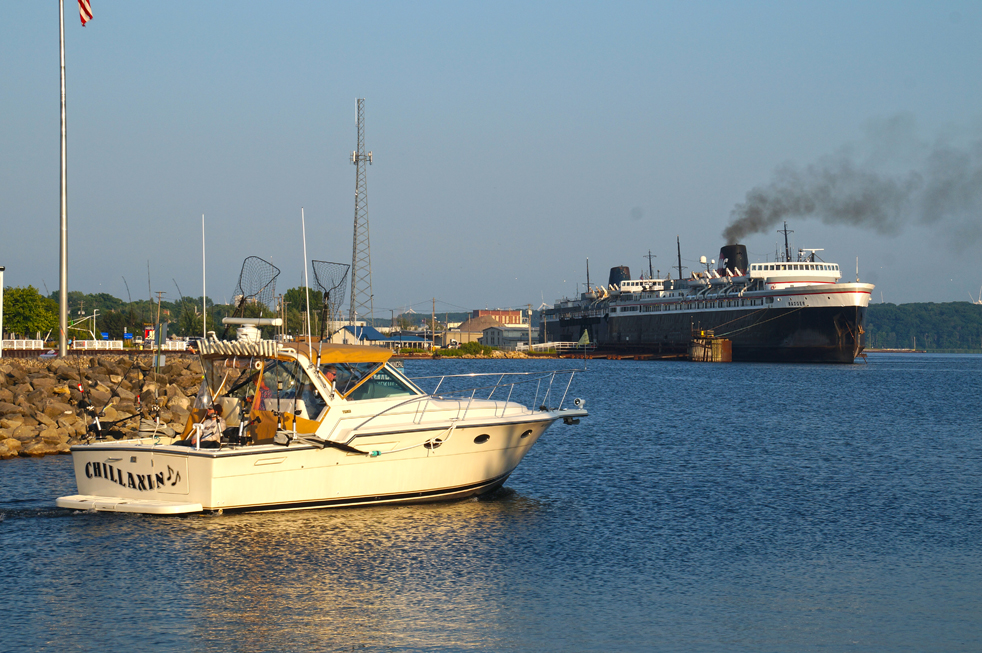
361	253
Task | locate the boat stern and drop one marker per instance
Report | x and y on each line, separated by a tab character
131	477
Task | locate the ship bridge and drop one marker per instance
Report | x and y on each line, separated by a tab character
788	275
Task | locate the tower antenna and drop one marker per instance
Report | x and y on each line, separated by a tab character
361	254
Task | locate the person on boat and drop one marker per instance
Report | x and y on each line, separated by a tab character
331	373
262	389
211	430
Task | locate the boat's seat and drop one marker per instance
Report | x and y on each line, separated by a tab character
231	410
283	405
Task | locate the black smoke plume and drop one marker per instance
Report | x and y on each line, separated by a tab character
936	184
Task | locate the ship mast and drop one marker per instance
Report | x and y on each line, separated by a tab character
786	231
678	267
651	274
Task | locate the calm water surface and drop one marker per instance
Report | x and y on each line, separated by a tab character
700	508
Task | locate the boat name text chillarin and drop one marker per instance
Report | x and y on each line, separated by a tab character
140	482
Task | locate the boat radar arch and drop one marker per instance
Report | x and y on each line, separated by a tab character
249	326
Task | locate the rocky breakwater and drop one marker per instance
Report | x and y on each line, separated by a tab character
42	410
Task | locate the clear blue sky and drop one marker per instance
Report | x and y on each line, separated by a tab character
511	140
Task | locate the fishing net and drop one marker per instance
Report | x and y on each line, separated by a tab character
330	279
257	283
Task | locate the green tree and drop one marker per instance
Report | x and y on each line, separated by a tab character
26	312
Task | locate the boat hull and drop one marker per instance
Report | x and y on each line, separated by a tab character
140	476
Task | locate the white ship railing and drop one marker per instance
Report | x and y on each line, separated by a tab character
555	346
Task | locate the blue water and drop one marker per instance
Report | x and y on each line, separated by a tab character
700	507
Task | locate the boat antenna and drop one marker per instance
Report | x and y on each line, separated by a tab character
306	282
787	250
588	274
204	295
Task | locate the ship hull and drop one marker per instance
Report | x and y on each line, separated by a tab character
830	334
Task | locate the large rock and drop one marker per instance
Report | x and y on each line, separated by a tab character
37	398
172	369
44	419
16	374
24	433
6	396
66	373
53	435
179	402
188	382
44	383
11	421
13	444
56	409
99	397
111	368
40	448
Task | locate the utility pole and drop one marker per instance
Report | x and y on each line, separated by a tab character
530	327
361	255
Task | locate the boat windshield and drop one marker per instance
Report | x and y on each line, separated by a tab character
357	381
280	385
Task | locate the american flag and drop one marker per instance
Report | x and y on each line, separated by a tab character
84	11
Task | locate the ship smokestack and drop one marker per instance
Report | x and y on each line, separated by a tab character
733	257
618	274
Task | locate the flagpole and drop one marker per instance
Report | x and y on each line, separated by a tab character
63	276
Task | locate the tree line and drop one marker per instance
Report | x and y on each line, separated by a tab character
29	314
949	326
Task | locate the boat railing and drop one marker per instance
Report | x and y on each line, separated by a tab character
544	383
502	382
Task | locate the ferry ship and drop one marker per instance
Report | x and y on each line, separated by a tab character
782	311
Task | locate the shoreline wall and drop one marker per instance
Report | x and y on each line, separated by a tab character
39	399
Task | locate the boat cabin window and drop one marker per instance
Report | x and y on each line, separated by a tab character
351	382
382	384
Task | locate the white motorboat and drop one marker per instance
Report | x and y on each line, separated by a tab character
293	439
